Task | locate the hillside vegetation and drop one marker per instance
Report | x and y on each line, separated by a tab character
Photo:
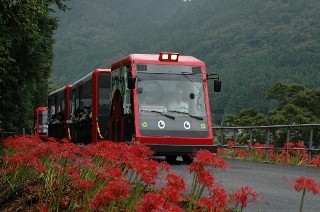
252	44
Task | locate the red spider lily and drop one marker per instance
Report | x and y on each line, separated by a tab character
140	150
305	183
107	173
300	144
315	161
202	177
83	184
176	181
156	202
241	153
217	201
289	145
147	170
171	194
21	159
67	150
73	172
230	144
244	196
206	158
221	152
174	188
113	191
205	178
150	201
258	150
23	143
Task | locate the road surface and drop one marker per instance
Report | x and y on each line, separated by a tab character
271	181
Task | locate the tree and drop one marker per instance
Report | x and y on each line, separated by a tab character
25	58
283	92
246	117
296	104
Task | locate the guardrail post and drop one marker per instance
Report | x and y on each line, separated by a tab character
250	144
310	145
222	137
234	143
267	145
287	141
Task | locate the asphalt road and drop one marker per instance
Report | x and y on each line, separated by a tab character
271	181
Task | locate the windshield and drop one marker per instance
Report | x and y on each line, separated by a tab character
43	118
173	103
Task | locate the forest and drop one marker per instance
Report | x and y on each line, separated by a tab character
251	44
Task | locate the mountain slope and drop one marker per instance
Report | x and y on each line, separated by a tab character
251	43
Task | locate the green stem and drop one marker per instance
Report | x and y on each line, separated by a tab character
200	191
301	204
192	195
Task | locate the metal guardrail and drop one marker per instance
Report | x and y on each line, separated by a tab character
288	128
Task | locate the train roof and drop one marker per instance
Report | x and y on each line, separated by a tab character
41	108
59	90
154	59
89	76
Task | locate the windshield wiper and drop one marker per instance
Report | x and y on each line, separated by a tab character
161	113
192	116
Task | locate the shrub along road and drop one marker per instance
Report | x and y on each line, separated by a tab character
272	181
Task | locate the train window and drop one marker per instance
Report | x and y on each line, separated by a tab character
104	94
86	94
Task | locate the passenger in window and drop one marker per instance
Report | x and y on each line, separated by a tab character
79	115
58	118
87	113
178	104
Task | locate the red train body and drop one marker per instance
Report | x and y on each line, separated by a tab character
160	100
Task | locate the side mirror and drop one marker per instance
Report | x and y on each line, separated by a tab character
217	86
132	82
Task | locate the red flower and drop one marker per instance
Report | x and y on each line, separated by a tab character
174	188
217	201
205	178
308	184
245	196
207	158
230	144
171	194
176	181
113	191
23	159
84	184
315	161
300	144
156	202
241	153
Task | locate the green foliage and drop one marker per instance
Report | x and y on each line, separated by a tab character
283	92
252	44
296	105
25	59
246	117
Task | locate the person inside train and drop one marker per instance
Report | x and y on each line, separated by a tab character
178	104
78	115
87	113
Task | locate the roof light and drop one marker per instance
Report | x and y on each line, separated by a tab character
167	56
174	57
